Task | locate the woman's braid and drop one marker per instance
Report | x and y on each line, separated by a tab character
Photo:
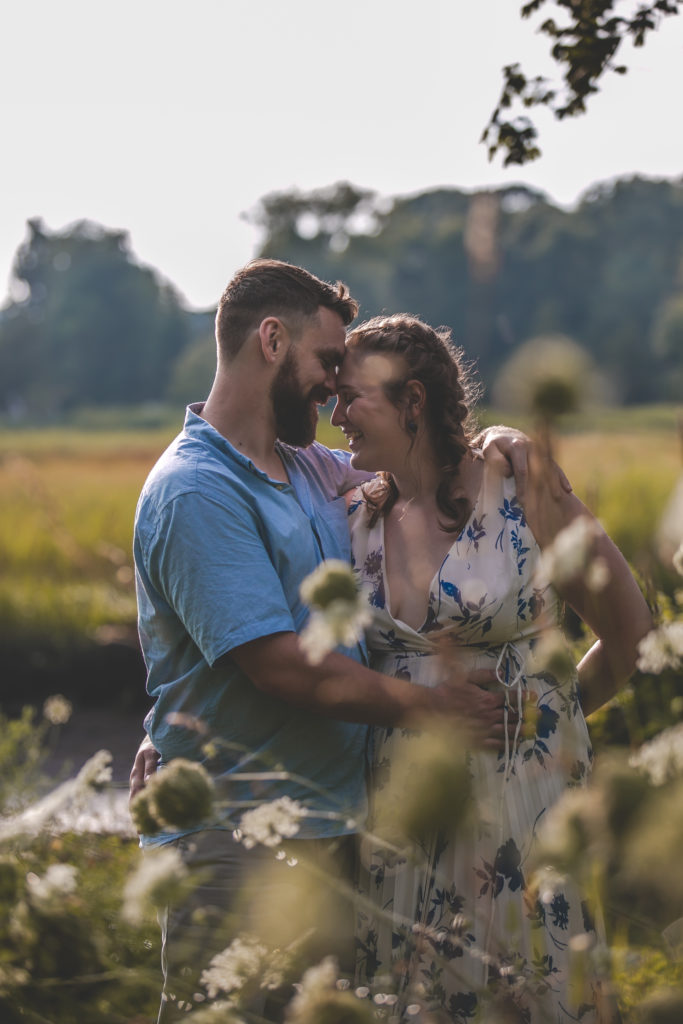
432	359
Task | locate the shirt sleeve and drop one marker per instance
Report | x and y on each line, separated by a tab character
209	563
338	462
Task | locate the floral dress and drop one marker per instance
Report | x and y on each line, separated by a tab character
458	925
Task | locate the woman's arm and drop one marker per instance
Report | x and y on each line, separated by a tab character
615	610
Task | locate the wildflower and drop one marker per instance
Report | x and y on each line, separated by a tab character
57	710
339	614
143	813
161	878
662	757
662	648
678	560
569	827
597	575
73	793
270	823
221	1012
48	892
10	875
318	999
430	787
551	654
181	795
96	771
332	581
245	962
570	553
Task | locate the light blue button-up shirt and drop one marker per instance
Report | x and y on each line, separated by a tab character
220	552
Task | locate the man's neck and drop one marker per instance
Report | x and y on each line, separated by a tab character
244	417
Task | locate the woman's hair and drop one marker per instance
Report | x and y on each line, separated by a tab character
431	358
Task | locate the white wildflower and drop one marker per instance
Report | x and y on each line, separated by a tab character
245	960
160	878
569	555
662	757
315	982
333	580
341	624
59	880
271	822
72	794
340	611
220	1012
57	709
597	575
96	771
662	648
678	560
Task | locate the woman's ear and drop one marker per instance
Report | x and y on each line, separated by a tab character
415	397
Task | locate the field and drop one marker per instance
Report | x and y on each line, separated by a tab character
67	501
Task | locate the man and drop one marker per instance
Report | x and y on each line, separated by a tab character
236	513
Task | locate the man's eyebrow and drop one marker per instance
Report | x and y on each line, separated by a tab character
331	355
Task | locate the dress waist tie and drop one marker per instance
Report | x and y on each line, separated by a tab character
512	683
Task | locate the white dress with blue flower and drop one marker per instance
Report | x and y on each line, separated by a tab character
479	928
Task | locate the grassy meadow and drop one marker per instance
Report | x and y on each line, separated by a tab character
67	501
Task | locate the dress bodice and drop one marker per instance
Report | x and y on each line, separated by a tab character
485	592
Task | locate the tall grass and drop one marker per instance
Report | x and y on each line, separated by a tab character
67	502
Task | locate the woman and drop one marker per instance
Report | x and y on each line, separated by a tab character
449	556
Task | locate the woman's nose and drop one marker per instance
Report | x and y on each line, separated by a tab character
337	417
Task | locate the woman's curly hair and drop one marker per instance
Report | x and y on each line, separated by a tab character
431	358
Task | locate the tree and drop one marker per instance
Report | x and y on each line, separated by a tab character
500	267
95	326
585	47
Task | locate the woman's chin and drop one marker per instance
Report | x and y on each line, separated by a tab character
362	462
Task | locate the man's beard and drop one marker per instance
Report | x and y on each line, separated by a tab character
296	414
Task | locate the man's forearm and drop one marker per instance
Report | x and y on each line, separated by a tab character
344	689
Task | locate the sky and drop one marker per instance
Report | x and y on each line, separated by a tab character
172	118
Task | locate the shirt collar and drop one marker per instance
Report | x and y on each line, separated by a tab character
197	428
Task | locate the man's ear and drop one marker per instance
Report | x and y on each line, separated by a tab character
273	338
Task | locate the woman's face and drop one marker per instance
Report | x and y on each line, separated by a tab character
372	424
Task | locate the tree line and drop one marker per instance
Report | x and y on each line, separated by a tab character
91	326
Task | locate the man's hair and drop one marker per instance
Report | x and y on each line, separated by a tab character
272	288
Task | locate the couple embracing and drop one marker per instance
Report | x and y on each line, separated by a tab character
446	542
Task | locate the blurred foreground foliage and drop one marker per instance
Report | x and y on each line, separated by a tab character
66	954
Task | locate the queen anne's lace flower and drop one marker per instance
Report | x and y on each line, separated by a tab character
58	881
339	614
96	771
57	709
678	560
319	997
662	648
245	960
662	757
160	876
569	555
270	823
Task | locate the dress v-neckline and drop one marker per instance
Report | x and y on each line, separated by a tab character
437	573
